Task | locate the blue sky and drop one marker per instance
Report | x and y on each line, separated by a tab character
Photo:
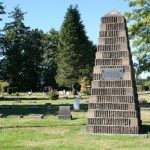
45	14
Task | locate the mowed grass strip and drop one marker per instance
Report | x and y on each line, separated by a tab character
64	138
51	133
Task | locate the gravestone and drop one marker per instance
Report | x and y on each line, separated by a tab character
14	116
36	116
76	103
113	105
64	112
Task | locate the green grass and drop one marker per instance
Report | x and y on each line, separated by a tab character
53	134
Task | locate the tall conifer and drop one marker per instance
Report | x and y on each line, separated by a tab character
1	10
74	49
13	47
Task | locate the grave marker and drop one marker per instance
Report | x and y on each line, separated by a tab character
36	116
64	112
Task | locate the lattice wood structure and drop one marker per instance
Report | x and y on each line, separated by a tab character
113	105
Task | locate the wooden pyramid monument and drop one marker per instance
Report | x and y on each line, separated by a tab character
113	105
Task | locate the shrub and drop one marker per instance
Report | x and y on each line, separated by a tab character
53	95
146	88
11	90
17	93
147	83
139	88
85	82
3	85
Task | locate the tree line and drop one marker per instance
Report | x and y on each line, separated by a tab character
31	59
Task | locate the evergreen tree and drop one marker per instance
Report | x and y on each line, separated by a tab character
32	58
1	36
13	47
139	30
49	58
1	10
1	39
74	50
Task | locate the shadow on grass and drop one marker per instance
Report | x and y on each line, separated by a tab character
22	98
145	128
36	109
35	98
38	126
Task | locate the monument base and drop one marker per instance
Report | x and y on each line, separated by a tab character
65	117
143	135
112	129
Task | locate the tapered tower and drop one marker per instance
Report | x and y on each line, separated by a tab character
113	105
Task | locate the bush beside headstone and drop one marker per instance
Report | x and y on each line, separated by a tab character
11	90
53	95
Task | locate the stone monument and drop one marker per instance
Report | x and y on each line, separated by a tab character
113	105
64	113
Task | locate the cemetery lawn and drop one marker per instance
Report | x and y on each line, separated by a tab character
53	134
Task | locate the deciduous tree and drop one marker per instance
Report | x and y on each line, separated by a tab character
139	29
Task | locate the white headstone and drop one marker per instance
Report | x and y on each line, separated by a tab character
60	92
76	103
68	93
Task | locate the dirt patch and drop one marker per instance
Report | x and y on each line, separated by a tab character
52	130
47	130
